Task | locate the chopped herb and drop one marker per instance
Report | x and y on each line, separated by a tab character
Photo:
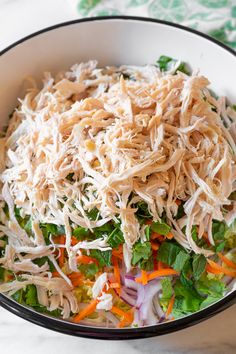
180	260
2	273
89	270
93	214
168	252
141	251
81	233
31	297
166	63
103	257
160	228
70	176
115	238
199	265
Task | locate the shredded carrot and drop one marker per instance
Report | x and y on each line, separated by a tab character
170	306
116	272
114	285
88	310
156	236
178	202
169	236
61	240
118	252
76	279
148	222
124	315
155	246
86	259
227	261
144	277
158	273
55	274
221	269
124	322
74	241
209	269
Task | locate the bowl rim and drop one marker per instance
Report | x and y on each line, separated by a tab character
70	328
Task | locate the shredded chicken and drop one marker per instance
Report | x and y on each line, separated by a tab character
152	138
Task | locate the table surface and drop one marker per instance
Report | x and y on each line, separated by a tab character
19	18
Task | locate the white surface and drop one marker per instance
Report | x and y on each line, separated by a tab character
215	336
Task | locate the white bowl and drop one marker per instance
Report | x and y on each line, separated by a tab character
117	40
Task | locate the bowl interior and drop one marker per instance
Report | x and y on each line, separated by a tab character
113	41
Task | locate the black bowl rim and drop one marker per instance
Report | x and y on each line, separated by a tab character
109	333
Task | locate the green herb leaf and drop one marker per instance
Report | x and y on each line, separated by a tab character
191	300
115	238
80	233
168	252
220	247
165	63
103	257
141	251
160	228
199	265
211	299
180	260
147	264
219	229
31	297
89	270
167	289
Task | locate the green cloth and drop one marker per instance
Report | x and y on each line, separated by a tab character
214	17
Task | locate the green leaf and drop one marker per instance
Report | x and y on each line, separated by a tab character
147	232
234	106
89	270
141	251
147	265
191	300
220	247
104	230
18	296
42	260
206	286
115	238
168	252
199	265
186	274
103	257
160	228
165	63
142	210
219	229
93	214
80	233
211	299
31	297
180	260
167	289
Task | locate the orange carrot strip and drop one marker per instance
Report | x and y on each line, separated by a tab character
148	222
86	259
155	246
209	269
74	241
222	269
88	310
124	315
170	306
169	236
156	236
227	261
55	274
144	277
116	272
114	285
158	273
178	202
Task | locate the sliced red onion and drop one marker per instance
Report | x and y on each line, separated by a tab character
146	294
127	298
